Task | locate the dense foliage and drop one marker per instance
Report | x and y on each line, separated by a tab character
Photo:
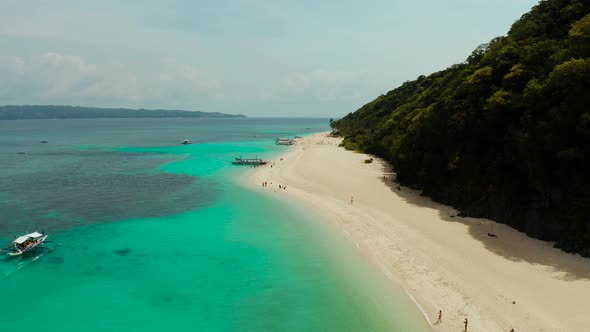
76	112
505	134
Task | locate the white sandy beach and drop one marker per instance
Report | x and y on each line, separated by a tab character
443	262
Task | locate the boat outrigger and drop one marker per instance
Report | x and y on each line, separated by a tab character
249	161
26	243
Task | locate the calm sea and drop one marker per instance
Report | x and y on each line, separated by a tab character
158	236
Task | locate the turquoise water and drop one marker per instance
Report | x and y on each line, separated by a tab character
160	237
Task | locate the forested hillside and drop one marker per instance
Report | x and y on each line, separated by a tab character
505	134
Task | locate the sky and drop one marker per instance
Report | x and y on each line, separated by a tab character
259	58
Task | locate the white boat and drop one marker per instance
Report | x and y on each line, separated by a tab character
186	142
26	243
284	141
249	161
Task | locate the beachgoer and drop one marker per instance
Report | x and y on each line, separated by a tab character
279	186
466	322
351	199
439	317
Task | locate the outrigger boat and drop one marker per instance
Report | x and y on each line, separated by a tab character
26	243
249	161
284	141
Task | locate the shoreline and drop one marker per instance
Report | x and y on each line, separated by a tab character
440	260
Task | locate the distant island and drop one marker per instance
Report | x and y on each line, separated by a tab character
29	112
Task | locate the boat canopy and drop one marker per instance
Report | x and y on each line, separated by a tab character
21	239
24	238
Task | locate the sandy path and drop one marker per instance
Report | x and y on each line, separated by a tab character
443	262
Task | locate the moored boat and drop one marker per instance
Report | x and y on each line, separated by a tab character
249	161
284	141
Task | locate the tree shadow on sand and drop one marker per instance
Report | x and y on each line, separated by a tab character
498	238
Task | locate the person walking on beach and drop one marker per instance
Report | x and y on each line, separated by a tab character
351	199
466	322
439	320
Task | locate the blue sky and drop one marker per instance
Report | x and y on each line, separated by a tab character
259	58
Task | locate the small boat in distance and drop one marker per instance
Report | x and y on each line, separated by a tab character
186	142
284	141
26	243
249	161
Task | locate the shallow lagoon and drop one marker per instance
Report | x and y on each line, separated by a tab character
158	236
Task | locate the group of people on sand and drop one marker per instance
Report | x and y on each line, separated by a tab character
265	185
465	322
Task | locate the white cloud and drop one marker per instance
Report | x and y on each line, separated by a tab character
198	79
53	78
324	85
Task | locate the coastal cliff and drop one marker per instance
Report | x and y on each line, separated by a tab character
503	135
